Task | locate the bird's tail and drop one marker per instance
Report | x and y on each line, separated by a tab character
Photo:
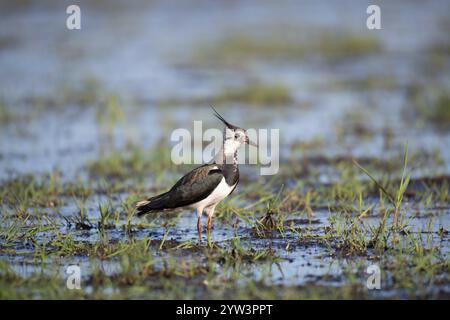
157	203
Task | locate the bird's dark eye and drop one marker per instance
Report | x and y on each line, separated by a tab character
236	136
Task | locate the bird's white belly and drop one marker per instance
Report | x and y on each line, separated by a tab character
220	192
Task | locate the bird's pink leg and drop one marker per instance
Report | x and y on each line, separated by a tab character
209	223
199	227
210	213
199	223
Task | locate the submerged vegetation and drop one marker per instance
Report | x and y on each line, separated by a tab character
330	46
265	228
256	94
6	115
46	191
283	237
291	236
252	94
431	106
133	162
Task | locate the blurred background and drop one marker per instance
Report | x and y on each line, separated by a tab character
139	69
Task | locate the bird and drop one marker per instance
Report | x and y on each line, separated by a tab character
207	185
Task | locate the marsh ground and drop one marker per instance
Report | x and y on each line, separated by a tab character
86	118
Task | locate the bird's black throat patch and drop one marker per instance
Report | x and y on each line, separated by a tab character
231	173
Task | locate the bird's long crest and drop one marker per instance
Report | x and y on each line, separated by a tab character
218	116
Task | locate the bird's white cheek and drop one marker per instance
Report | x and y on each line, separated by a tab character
231	147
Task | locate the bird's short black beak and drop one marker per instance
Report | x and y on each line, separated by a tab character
251	143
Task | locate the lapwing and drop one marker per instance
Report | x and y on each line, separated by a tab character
204	187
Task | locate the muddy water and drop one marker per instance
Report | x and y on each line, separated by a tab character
299	262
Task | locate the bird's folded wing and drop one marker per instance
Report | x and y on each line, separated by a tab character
196	185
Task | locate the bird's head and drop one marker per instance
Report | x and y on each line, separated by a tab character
233	136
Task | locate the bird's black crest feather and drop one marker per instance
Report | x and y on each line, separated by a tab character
218	116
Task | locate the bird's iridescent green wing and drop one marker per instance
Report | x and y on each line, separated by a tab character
195	185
